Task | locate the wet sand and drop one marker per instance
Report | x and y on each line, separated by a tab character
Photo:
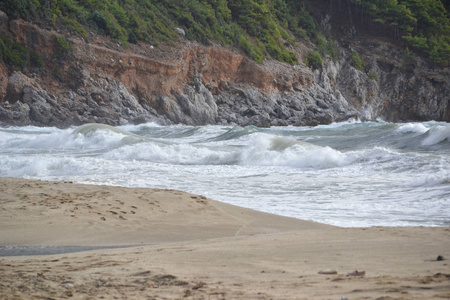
183	246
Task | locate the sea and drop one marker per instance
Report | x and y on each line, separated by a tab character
349	174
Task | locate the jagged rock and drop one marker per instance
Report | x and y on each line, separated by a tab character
16	84
196	106
40	110
310	107
102	112
197	85
16	114
166	106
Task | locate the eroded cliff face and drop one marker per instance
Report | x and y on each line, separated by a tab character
99	81
406	88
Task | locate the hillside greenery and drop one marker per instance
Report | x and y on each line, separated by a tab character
257	27
423	24
260	28
14	54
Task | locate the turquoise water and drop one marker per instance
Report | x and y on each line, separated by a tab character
346	174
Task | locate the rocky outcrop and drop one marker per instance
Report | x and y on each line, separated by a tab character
107	102
99	81
195	106
400	88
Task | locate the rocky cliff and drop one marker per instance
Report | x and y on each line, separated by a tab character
97	80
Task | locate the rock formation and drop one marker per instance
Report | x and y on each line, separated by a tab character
99	81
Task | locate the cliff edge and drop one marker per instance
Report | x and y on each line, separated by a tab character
97	80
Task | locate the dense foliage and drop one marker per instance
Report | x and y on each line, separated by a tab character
423	24
13	53
260	28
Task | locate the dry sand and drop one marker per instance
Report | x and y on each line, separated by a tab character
183	246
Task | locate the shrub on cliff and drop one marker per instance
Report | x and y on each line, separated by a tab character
327	46
14	54
20	8
314	60
373	75
62	46
357	62
74	26
36	61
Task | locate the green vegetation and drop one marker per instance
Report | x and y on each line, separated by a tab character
326	46
373	75
58	73
357	62
74	26
314	60
14	54
260	28
36	60
62	46
423	24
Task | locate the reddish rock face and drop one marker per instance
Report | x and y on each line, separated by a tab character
98	80
153	71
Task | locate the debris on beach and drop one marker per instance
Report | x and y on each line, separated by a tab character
328	272
356	273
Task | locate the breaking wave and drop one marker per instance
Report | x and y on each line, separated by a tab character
358	173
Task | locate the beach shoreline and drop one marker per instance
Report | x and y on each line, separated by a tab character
179	245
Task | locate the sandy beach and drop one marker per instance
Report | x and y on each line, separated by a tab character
176	245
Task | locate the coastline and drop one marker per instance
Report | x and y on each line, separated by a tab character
180	245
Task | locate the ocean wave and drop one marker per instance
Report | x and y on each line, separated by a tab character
378	157
178	154
86	136
140	127
412	128
259	150
48	166
436	135
432	180
319	173
235	133
265	150
32	138
101	135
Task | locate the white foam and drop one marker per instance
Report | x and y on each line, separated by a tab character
437	134
442	178
32	138
180	154
261	151
358	176
412	127
130	127
258	149
49	166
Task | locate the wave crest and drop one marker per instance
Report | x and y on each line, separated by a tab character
436	135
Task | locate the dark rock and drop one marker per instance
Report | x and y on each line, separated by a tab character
17	114
16	84
4	23
196	106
